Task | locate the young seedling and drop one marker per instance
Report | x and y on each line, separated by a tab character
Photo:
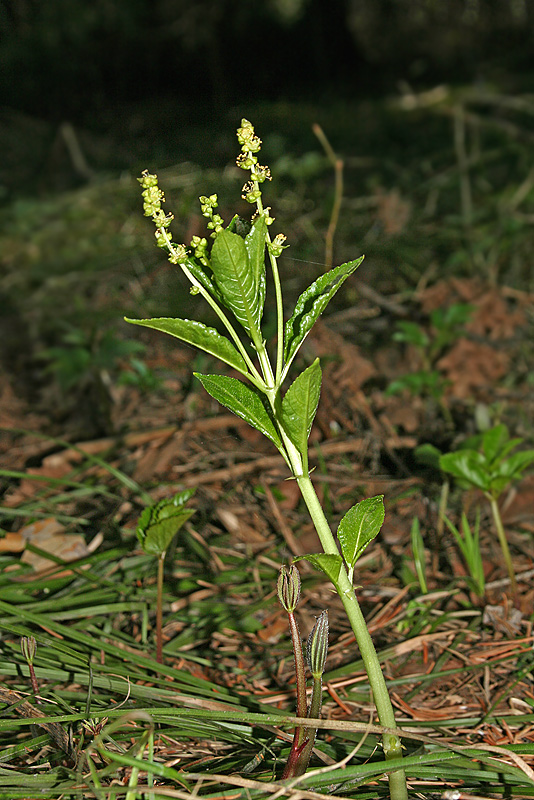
231	277
157	526
447	325
468	542
491	466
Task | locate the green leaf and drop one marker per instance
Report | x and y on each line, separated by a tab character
198	334
255	246
237	280
467	465
299	406
311	304
411	333
493	442
159	523
327	563
359	526
428	455
512	467
244	401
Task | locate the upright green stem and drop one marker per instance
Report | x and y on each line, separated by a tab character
159	611
504	543
391	743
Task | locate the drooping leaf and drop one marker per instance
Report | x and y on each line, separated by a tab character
311	304
299	406
328	563
359	526
467	465
236	280
159	523
198	334
244	401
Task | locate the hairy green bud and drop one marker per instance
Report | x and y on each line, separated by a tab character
28	647
318	646
288	587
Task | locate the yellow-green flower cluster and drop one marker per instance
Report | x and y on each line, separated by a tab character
251	144
153	198
207	205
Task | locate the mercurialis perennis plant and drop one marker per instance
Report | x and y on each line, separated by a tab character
230	274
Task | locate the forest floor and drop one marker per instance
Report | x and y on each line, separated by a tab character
93	431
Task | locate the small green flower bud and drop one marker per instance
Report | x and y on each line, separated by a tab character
147	180
161	219
246	161
178	254
250	193
268	219
262	174
288	587
247	139
28	647
318	646
277	245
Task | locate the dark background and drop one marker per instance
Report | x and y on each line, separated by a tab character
110	66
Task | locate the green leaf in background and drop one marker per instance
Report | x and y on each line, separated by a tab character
311	304
159	523
428	454
244	401
359	526
467	465
299	406
411	333
236	279
496	443
328	563
198	334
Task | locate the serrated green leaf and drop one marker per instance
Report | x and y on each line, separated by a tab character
236	279
159	523
326	562
198	334
299	406
359	526
311	304
244	401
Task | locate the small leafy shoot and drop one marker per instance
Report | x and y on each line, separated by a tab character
359	527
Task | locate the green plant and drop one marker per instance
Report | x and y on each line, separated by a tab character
468	542
231	277
157	526
446	327
487	463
